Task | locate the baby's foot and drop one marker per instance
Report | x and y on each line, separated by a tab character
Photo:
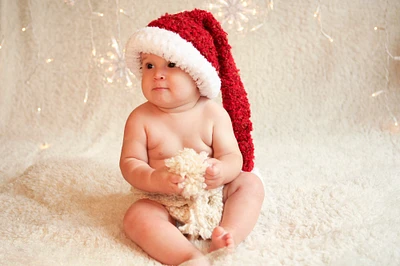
221	239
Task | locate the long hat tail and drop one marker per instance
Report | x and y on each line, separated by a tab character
234	96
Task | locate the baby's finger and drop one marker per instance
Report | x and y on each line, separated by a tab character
175	189
210	182
177	179
211	170
208	178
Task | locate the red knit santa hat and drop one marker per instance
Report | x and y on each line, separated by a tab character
195	42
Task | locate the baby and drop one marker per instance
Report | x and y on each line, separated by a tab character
184	60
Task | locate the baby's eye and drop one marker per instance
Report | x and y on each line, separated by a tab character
149	66
171	65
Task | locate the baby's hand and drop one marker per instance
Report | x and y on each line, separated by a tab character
166	181
213	177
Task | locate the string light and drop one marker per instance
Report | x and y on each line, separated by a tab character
394	125
38	62
69	2
93	53
240	15
44	146
85	99
377	93
124	12
396	58
317	15
114	65
99	14
23	29
114	61
237	14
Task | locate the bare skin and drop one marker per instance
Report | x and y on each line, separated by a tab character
176	116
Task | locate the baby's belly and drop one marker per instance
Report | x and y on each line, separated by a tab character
166	148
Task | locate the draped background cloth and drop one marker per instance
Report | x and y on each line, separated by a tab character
328	151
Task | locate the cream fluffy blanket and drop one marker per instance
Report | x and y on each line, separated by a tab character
342	209
328	151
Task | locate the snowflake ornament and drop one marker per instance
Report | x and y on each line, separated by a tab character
241	15
115	66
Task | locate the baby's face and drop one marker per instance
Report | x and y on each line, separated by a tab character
166	85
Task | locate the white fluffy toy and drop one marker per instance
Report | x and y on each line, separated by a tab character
197	209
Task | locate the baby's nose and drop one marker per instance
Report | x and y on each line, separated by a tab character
159	74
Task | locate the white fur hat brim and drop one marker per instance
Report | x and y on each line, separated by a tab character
170	46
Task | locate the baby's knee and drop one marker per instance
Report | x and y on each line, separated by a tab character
254	184
130	219
140	216
248	183
135	216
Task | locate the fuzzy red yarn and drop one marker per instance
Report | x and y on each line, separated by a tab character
200	28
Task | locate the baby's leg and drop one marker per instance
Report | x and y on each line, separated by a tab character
243	198
150	226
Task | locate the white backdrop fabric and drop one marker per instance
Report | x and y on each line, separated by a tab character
328	152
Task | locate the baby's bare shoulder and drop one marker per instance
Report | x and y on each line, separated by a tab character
140	114
145	109
214	109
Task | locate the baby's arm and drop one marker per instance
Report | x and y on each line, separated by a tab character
227	160
134	163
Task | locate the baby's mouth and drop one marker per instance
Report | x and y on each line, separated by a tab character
160	88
